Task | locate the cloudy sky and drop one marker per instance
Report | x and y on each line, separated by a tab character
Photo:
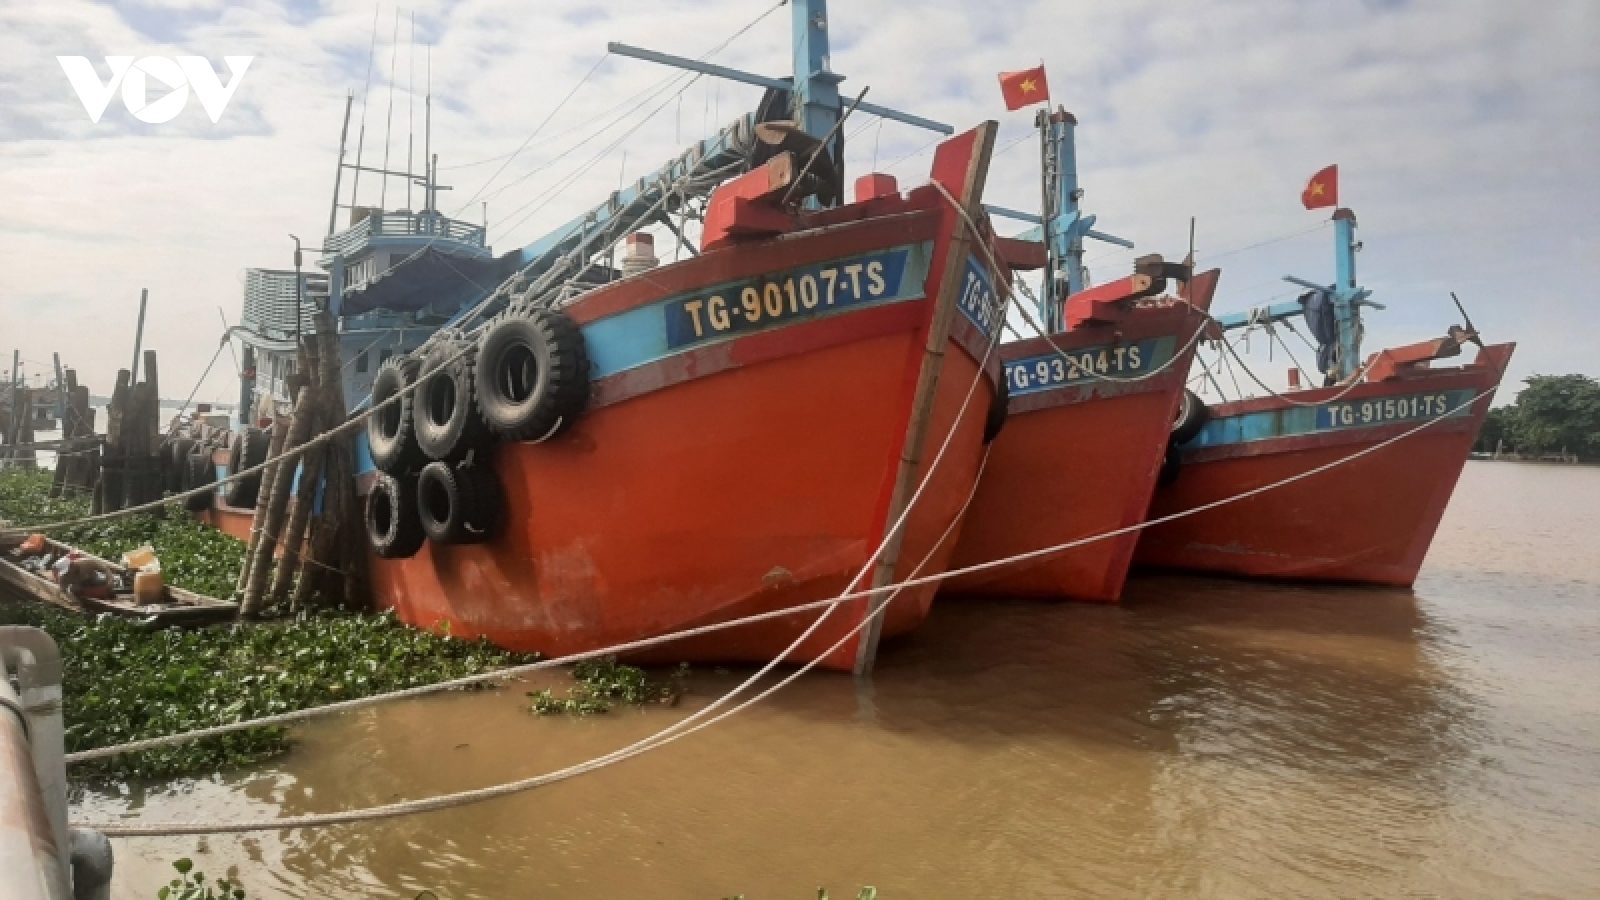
1465	131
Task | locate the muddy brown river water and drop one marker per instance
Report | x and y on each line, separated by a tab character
1208	738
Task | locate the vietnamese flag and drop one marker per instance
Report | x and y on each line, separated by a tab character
1024	88
1323	189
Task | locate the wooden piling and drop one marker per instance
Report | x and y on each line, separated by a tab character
301	506
337	556
276	437
277	504
109	490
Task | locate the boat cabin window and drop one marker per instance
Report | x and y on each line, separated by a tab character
361	361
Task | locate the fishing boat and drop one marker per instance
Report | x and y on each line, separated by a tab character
1093	402
594	456
1365	487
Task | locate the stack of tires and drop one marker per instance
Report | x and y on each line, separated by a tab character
246	450
526	378
186	464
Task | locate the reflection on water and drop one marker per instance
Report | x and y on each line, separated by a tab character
1210	738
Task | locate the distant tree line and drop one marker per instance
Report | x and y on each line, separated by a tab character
1553	414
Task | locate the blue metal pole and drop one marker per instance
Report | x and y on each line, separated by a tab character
816	88
1064	225
1346	295
1067	196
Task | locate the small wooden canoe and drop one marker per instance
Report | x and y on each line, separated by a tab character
179	607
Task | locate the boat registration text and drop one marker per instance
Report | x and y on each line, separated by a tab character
1041	373
767	300
1383	410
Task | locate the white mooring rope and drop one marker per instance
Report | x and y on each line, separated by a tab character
680	729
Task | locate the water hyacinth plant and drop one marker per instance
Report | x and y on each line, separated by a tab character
599	683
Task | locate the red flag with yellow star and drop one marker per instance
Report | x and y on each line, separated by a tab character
1323	189
1024	88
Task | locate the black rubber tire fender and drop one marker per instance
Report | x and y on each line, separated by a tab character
176	459
391	516
391	431
246	451
199	471
1192	416
448	424
459	504
999	408
1171	465
533	374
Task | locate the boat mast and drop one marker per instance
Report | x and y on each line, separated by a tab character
1064	226
816	88
1347	296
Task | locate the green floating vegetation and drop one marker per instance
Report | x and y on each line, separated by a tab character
126	682
191	885
604	682
193	556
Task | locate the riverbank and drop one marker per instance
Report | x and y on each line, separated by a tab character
125	681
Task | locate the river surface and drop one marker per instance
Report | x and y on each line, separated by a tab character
1208	738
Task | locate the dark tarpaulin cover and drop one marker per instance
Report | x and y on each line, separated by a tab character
431	278
1318	306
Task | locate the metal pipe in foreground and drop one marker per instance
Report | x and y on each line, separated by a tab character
33	842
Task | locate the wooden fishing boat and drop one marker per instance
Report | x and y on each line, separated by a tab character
21	582
1367	520
759	418
1091	412
1092	403
595	455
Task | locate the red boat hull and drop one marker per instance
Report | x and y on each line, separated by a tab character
1078	460
748	475
1367	520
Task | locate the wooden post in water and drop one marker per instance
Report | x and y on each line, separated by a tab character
8	434
109	490
74	472
23	454
138	332
140	427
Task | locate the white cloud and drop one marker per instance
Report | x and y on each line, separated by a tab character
1464	132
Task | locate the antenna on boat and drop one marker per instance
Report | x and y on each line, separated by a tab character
427	137
338	171
394	47
366	92
411	106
